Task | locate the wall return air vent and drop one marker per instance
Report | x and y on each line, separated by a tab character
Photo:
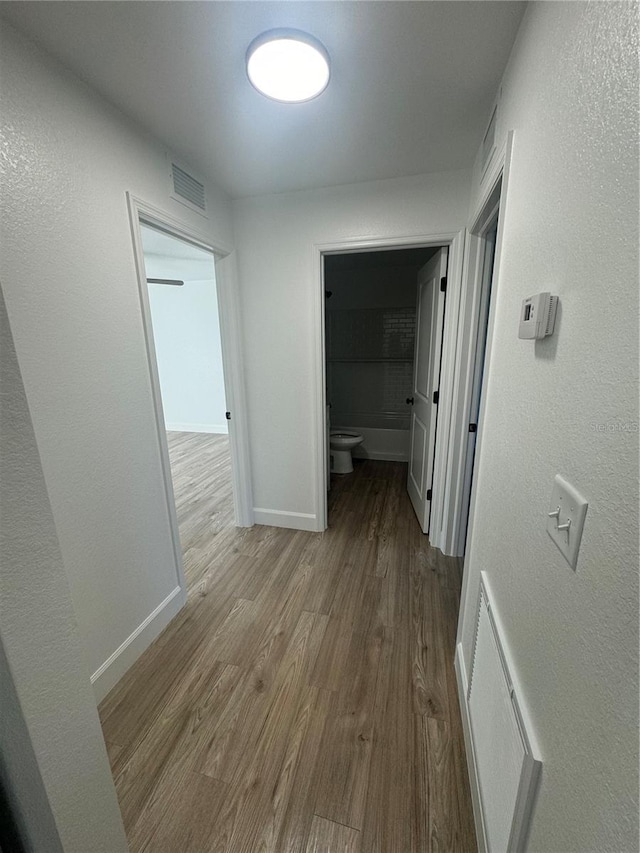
504	747
187	189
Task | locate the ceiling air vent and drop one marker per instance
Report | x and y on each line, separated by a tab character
187	189
488	143
488	147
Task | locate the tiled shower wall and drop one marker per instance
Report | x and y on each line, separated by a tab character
370	360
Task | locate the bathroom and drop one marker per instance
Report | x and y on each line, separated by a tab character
370	321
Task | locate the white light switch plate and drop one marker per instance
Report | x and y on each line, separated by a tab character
573	507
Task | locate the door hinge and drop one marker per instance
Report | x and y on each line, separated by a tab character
443	284
227	415
473	427
436	397
428	494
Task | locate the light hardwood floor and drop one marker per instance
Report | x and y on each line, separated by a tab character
201	474
304	699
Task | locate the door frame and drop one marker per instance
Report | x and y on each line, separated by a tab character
492	195
478	344
455	241
228	311
439	302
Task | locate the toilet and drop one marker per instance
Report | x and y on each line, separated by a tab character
341	444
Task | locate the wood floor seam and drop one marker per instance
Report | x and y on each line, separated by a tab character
339	823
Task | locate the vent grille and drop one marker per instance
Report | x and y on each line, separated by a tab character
506	760
489	138
186	186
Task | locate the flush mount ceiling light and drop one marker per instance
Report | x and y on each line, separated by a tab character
288	66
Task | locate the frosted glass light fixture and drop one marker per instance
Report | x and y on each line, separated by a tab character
288	66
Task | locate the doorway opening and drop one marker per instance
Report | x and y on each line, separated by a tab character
383	325
195	371
183	304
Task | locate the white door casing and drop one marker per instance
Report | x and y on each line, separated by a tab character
143	212
478	370
454	239
427	360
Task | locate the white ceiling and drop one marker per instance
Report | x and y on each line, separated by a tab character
411	85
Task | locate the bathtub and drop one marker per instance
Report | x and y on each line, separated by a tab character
386	436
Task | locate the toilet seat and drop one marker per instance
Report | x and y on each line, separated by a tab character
341	444
345	439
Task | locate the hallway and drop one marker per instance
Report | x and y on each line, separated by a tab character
304	699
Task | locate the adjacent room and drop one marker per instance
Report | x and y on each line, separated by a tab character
374	302
370	321
185	325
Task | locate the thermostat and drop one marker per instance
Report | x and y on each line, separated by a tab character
538	316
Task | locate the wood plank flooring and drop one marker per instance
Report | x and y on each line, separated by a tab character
304	699
201	474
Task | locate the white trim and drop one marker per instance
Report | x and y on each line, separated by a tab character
532	763
463	342
228	311
490	181
382	455
282	518
438	524
135	208
463	378
457	495
216	429
474	784
111	671
478	295
348	246
319	438
160	218
385	244
502	168
234	387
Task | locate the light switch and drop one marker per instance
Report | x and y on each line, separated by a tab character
565	519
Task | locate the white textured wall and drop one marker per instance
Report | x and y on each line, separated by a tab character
29	817
53	760
570	93
275	236
186	333
72	300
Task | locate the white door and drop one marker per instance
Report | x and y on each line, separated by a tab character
426	381
478	370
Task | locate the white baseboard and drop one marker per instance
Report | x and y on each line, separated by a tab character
218	429
112	670
384	456
461	679
291	520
